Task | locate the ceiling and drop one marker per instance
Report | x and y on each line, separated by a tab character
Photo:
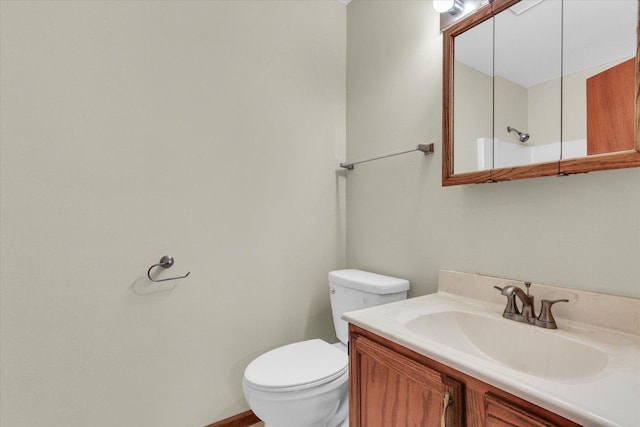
540	40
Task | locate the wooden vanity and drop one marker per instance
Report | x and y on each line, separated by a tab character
452	359
390	385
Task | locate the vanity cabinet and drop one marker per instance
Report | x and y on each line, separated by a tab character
390	385
389	389
502	413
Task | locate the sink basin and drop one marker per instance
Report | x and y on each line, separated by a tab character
522	347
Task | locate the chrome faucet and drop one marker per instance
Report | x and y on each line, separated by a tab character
527	314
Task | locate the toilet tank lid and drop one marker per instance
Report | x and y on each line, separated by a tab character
368	282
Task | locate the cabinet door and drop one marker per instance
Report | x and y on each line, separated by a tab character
500	413
389	389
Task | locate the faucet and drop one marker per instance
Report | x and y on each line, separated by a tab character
527	314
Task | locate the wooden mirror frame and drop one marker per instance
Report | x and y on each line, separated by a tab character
616	160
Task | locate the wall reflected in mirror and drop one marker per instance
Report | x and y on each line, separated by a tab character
545	80
599	43
527	93
473	98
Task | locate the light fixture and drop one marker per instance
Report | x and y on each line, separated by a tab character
448	6
451	11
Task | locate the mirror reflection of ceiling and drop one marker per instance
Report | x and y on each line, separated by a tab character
595	32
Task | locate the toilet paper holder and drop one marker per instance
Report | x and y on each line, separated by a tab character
165	262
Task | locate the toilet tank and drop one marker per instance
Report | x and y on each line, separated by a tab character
356	289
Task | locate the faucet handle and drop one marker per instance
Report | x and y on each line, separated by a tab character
545	319
511	309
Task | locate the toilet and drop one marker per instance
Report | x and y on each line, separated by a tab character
304	384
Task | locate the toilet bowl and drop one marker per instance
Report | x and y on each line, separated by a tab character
305	384
301	384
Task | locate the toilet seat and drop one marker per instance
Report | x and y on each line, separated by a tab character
296	366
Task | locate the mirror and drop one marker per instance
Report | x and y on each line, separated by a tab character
540	87
473	98
528	71
600	41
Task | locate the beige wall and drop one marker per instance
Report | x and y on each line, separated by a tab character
580	231
210	131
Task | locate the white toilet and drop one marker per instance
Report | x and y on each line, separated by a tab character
304	384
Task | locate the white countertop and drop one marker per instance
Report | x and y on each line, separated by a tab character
608	398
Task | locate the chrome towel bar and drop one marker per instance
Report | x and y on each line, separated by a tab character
425	148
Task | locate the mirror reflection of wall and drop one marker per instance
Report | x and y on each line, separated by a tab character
473	97
528	67
599	43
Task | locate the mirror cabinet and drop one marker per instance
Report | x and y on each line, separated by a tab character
539	88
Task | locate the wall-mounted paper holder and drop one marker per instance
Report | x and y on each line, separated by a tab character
165	262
